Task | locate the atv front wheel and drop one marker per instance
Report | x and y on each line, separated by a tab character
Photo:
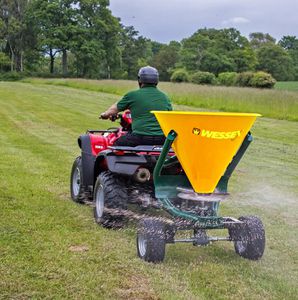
249	237
77	191
109	194
151	240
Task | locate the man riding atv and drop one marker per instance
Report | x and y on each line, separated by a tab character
145	128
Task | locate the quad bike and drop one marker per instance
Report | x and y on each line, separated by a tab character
187	177
113	176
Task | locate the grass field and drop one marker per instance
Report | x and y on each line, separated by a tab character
287	85
50	247
279	104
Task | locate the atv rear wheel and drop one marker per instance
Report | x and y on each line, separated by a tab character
151	240
77	191
249	237
109	193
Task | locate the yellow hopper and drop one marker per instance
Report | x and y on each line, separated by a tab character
206	142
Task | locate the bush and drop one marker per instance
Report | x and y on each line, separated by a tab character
11	76
262	80
180	76
49	75
227	78
203	78
244	78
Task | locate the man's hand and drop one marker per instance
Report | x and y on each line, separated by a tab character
104	116
108	114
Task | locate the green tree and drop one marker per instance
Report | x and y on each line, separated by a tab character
166	59
13	31
4	61
194	50
258	39
217	51
156	47
56	24
275	60
85	29
290	44
97	47
136	51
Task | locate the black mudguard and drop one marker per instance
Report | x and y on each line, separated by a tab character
88	160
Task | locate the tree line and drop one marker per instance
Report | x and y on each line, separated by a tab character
82	38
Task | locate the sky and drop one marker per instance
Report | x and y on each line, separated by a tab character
167	20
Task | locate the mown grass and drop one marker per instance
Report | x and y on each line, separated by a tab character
287	85
278	104
51	248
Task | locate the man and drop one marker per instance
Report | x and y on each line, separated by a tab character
145	128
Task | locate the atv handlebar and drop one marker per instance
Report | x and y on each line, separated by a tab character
113	118
125	119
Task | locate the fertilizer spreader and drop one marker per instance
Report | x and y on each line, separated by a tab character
187	177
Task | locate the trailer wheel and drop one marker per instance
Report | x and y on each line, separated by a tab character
249	237
109	193
151	240
77	191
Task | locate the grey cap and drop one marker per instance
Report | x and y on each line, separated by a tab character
148	75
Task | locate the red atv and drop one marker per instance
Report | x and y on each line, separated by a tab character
113	176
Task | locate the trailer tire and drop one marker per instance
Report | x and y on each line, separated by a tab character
109	193
249	237
151	240
77	190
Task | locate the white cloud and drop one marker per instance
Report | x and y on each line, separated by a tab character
236	20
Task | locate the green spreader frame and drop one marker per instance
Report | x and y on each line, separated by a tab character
166	185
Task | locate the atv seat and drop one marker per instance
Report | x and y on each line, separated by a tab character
140	148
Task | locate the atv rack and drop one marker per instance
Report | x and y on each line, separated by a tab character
110	130
143	148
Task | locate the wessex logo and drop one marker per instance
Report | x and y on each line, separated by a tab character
220	135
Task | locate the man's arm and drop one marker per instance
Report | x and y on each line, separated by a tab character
113	110
121	105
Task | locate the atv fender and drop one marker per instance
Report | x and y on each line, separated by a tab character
88	160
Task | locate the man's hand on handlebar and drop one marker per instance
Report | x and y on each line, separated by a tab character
114	117
111	113
106	116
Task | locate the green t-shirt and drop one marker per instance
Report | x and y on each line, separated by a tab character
140	103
